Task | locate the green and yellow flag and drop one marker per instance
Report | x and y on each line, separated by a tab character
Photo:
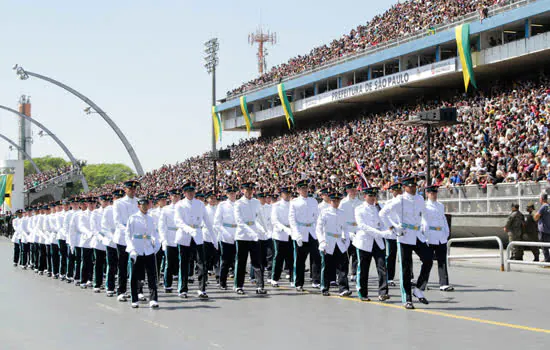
462	33
286	105
6	182
217	123
246	115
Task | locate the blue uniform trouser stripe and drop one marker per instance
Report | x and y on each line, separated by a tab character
401	280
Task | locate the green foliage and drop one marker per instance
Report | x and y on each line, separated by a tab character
100	174
46	163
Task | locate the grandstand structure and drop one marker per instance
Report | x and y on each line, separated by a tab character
514	36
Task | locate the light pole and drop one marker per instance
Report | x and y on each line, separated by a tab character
211	50
19	148
24	75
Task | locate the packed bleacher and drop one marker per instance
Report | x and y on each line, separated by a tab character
36	179
401	20
503	138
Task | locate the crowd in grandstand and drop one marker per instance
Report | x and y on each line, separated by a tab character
36	179
401	20
503	137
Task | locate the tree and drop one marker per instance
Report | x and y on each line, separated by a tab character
47	163
101	174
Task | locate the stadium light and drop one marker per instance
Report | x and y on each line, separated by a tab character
24	75
211	48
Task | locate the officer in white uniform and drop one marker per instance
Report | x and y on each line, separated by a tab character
265	238
211	238
16	238
325	203
225	226
405	216
68	229
97	241
334	241
302	216
189	217
108	228
62	238
75	240
54	234
142	242
24	236
83	225
250	222
348	205
167	233
369	243
436	230
282	242
391	243
123	208
160	202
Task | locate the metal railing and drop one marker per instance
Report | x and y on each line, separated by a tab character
493	10
476	256
56	180
521	262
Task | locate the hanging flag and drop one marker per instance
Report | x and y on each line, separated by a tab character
9	186
360	170
286	105
462	33
217	123
246	115
3	186
431	31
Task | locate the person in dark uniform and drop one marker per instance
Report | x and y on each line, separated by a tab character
531	231
514	228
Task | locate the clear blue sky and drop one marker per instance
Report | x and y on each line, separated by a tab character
142	62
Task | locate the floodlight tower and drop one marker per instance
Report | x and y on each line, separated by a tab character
260	38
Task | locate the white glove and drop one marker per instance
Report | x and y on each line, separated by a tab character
323	246
389	234
352	235
133	255
164	245
398	231
299	242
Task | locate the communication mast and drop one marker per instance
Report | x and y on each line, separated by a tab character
260	38
25	136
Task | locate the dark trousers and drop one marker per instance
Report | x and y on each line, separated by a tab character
25	254
159	256
36	255
426	257
263	257
49	258
545	237
270	252
282	253
143	264
16	253
243	249
185	256
63	249
365	258
440	252
71	261
300	255
32	255
212	259
391	257
54	258
227	259
87	265
77	263
112	267
338	261
98	267
122	269
171	258
42	257
352	255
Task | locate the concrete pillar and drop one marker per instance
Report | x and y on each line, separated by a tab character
339	82
369	73
315	89
438	53
527	28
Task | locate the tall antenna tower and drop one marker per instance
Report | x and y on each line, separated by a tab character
260	38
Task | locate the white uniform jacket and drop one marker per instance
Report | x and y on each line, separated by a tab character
279	219
189	218
83	226
434	223
167	225
108	227
331	229
268	225
209	235
250	220
383	215
405	215
141	235
16	223
95	227
370	228
224	222
302	217
322	206
54	229
349	205
123	208
69	215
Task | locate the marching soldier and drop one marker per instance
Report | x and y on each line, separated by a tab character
160	199
514	228
302	216
16	238
210	237
391	242
334	242
142	240
348	205
123	208
282	242
405	216
84	227
99	249
369	242
108	228
24	232
325	203
54	234
265	235
62	238
167	233
75	240
225	225
68	231
189	217
250	222
436	230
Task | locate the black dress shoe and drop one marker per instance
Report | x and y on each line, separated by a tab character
326	293
240	291
261	291
409	306
383	297
423	301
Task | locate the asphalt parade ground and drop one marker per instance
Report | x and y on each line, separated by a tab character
489	309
